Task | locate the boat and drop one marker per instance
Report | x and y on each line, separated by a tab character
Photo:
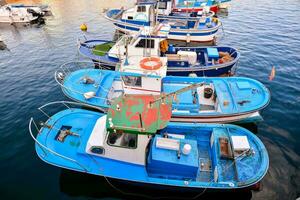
196	5
182	61
195	29
41	9
11	14
136	143
196	99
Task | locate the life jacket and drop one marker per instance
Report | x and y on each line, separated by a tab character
164	46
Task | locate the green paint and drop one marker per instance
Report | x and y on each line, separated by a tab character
102	49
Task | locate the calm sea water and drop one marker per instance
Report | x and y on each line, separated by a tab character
267	32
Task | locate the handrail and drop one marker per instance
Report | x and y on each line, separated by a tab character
63	67
44	148
71	103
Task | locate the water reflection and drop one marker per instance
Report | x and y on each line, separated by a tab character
79	184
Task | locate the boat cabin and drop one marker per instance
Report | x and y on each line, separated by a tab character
145	44
125	132
141	14
137	78
117	145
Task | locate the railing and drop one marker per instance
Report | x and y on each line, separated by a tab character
67	68
44	148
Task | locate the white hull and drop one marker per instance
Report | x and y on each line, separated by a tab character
11	15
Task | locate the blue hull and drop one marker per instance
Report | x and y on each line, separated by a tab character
71	154
208	73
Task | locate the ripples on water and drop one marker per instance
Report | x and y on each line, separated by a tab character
266	32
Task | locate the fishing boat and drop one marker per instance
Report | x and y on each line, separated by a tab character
198	5
196	99
182	61
12	14
40	10
136	143
196	29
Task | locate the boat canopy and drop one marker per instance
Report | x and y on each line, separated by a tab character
139	114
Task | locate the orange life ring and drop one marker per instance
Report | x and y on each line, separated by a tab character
150	63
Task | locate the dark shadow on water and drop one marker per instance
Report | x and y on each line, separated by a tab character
76	184
250	126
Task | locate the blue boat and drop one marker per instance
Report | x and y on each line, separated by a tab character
197	29
182	61
196	99
148	151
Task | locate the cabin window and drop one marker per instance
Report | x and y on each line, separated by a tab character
141	9
97	150
130	17
145	43
121	139
132	81
162	5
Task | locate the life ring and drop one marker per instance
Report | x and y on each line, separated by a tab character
150	63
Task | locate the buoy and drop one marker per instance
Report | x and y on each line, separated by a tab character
272	74
83	27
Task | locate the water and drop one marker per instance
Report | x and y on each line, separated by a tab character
267	32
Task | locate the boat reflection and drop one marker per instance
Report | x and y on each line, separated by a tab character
76	184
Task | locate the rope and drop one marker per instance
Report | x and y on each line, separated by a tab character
151	197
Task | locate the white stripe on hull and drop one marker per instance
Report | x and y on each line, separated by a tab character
16	20
192	38
249	117
206	38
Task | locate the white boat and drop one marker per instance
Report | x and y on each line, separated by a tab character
14	14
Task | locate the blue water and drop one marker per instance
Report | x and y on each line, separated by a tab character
267	32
